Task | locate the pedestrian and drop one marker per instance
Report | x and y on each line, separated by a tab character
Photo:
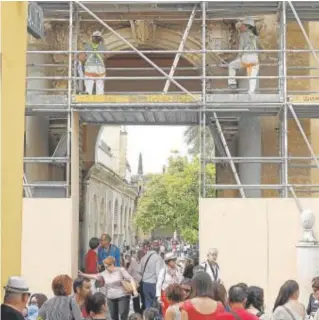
186	285
133	268
255	302
16	296
211	266
313	303
96	306
175	295
220	294
37	299
249	60
62	305
150	267
168	275
107	249
116	281
82	289
287	305
237	297
91	258
202	305
94	67
151	314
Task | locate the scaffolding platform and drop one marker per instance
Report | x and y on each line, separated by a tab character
169	109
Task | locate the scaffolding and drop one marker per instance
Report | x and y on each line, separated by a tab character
211	109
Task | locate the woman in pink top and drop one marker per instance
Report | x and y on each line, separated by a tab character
118	298
202	306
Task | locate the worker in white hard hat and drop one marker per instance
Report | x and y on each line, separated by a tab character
248	60
94	67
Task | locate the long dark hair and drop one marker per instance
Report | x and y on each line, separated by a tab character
220	293
255	298
286	291
202	285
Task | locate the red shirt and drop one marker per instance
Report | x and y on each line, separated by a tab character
91	262
193	314
242	314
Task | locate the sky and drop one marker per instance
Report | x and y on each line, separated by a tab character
155	144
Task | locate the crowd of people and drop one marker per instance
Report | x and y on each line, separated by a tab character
148	285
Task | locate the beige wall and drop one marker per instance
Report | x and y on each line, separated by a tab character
46	241
256	239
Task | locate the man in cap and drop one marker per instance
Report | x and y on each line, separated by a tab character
16	298
94	67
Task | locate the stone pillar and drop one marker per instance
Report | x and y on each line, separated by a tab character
307	255
249	145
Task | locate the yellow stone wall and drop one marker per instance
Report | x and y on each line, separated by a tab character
13	22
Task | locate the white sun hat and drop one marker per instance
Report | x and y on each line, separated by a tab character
170	256
17	285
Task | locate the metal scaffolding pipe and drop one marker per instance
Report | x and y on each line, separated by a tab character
181	47
202	114
284	114
45	159
259	186
40	185
69	124
166	51
173	78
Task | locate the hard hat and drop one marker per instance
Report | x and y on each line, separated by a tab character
97	34
249	22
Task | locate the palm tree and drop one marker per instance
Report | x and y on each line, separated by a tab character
192	139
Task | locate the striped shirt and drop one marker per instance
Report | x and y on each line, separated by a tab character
60	308
113	282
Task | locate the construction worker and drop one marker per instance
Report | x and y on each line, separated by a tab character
248	60
94	67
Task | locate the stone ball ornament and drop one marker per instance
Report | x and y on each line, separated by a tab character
307	219
307	222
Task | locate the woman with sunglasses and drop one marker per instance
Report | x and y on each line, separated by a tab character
117	295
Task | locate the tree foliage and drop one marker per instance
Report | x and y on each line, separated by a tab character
192	139
171	199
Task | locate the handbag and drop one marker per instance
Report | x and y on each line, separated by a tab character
127	285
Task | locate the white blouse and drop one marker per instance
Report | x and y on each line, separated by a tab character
165	279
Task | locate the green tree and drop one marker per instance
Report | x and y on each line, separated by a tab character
171	198
192	139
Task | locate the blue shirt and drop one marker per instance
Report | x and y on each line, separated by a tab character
112	251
